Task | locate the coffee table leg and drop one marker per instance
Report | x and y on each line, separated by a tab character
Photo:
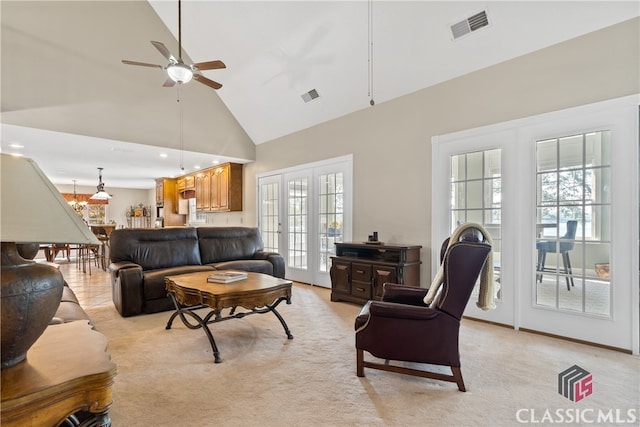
202	323
272	308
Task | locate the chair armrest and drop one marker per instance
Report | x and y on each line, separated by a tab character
402	294
401	311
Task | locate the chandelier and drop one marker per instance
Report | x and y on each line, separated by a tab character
77	206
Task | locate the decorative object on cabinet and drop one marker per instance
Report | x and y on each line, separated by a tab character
359	270
31	291
139	216
219	189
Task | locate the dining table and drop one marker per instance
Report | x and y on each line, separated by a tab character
103	231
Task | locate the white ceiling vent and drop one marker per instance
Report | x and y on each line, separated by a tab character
310	96
473	23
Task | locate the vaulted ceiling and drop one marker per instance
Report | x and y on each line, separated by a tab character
72	104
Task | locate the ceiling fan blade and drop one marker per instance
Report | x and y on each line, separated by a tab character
169	82
164	51
211	65
142	64
202	79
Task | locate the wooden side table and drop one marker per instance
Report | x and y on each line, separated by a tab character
67	370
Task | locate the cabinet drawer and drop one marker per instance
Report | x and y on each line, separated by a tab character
361	272
361	289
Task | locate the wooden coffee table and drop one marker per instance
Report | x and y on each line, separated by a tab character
258	293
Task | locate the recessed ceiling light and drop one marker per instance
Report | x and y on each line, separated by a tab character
197	166
16	145
215	162
163	155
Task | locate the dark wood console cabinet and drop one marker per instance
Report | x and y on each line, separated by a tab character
359	270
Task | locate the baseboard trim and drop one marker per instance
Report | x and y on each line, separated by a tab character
546	334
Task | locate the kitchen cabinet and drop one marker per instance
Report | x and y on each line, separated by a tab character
167	202
219	189
186	183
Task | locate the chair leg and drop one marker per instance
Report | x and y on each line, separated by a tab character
542	257
359	362
567	269
457	374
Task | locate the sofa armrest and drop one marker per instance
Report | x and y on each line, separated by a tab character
403	294
115	267
127	288
275	259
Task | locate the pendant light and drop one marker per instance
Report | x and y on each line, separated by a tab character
100	194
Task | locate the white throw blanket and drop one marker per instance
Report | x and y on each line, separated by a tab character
488	287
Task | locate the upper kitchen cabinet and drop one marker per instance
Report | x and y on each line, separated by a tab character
219	189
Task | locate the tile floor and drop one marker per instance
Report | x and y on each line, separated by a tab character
92	290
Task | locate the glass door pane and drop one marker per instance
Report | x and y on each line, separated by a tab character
270	220
330	217
476	196
573	223
297	215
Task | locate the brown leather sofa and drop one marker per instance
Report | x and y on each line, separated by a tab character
142	258
69	308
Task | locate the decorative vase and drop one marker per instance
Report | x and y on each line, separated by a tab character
30	294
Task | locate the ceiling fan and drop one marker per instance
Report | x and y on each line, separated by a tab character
178	71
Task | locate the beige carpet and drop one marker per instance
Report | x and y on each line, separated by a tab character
168	378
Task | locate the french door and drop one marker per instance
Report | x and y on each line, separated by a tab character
303	212
558	194
477	179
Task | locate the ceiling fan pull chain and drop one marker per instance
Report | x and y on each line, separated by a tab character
181	131
370	50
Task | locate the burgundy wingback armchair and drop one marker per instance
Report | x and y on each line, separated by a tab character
401	327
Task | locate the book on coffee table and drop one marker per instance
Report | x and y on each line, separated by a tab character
226	276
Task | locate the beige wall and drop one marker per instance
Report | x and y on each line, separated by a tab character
122	200
391	142
86	96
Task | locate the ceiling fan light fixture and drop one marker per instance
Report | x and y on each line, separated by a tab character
180	73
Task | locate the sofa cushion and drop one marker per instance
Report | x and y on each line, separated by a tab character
255	266
218	244
154	286
69	308
153	249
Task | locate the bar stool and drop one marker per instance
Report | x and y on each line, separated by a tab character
86	254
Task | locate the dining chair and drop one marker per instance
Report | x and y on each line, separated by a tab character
564	246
